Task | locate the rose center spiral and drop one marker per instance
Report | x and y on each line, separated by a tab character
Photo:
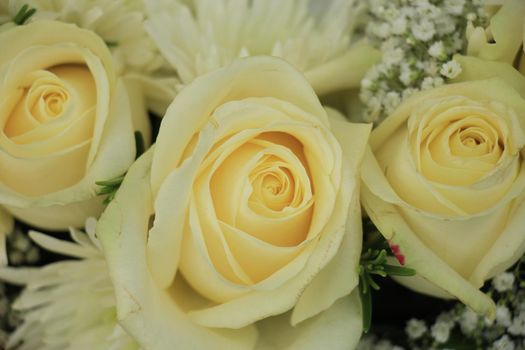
273	185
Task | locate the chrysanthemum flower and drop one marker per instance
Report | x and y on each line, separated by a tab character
197	36
70	304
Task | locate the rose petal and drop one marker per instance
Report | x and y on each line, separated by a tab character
259	76
151	314
355	62
338	279
506	27
339	327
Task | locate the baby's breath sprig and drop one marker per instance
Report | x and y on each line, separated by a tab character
23	14
461	328
418	39
374	263
110	187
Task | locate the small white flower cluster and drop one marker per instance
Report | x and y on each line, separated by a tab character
505	332
372	343
461	325
20	249
418	39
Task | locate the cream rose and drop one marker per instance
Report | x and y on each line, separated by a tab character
504	37
243	220
65	123
444	183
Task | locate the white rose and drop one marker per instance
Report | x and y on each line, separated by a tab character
444	183
65	123
246	208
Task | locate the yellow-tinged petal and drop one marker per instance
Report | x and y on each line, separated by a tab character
338	328
473	68
336	279
506	34
354	63
139	112
171	209
154	316
261	303
507	249
191	109
417	256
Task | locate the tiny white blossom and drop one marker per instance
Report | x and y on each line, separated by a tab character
457	42
451	69
392	100
437	49
427	83
399	25
468	321
382	30
432	68
408	92
518	325
471	17
366	83
440	331
377	7
415	328
445	25
365	95
428	11
503	316
438	81
488	321
423	30
503	343
503	282
383	345
391	13
454	7
521	306
407	75
409	12
394	57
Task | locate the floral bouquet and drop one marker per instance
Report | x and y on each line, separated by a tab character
245	174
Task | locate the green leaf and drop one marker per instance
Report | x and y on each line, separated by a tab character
366	305
23	14
111	186
116	181
374	263
392	270
111	44
106	190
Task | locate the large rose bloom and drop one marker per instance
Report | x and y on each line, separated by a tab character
65	123
445	182
246	208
